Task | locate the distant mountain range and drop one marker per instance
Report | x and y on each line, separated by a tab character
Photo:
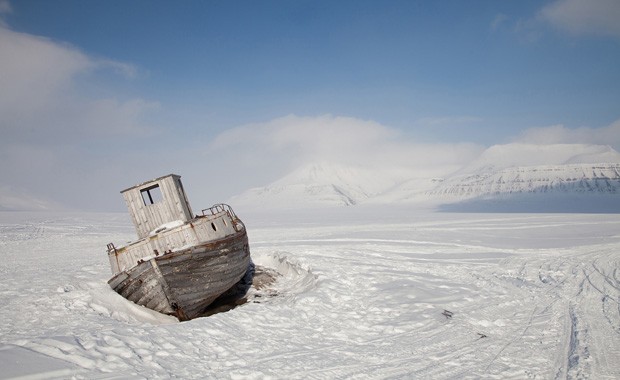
11	200
318	184
603	178
515	173
511	177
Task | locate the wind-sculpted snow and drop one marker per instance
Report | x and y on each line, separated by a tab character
291	278
358	293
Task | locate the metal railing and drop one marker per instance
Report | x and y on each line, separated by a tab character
222	207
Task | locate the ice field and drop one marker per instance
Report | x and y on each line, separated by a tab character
361	292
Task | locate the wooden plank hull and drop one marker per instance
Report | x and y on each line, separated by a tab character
185	282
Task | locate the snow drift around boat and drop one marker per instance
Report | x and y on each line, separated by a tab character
180	264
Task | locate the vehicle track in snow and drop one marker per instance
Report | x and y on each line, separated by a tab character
515	330
528	296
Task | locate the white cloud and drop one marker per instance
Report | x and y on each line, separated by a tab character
559	134
35	70
289	142
584	17
528	30
264	152
56	136
40	96
499	20
309	138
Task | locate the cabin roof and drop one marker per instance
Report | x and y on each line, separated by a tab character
150	181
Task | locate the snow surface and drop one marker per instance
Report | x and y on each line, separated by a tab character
363	292
167	226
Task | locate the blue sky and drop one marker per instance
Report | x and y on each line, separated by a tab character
127	80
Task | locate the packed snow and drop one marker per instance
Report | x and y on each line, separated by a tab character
167	226
360	292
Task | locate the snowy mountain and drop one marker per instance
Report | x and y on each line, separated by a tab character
501	171
505	170
568	178
321	184
11	200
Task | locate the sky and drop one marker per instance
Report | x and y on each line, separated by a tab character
98	96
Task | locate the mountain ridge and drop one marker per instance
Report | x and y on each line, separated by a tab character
573	169
566	178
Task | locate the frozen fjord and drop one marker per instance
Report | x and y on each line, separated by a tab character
362	293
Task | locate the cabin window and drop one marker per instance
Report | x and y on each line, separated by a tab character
151	195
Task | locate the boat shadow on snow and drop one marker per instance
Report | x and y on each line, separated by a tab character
275	277
257	278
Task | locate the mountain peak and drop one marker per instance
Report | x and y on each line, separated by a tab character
500	170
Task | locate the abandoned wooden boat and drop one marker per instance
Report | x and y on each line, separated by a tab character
180	263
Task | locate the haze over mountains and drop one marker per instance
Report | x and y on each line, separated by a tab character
574	177
516	177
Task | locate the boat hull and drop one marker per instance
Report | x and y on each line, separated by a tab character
185	282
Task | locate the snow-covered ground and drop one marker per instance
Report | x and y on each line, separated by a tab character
363	292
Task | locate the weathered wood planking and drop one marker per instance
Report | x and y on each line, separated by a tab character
184	283
146	216
180	264
202	229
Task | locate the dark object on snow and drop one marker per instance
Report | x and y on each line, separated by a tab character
181	263
448	314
